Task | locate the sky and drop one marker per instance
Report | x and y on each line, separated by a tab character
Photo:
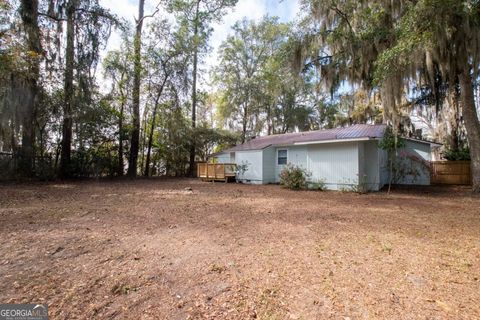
286	10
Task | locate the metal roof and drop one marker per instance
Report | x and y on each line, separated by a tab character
357	131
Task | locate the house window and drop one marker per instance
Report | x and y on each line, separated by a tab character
281	157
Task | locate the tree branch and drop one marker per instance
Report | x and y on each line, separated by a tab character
343	15
55	18
157	8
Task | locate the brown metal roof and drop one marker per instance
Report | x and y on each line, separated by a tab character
357	131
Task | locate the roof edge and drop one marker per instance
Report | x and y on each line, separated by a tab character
423	141
333	141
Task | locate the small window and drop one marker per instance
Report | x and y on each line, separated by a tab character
282	157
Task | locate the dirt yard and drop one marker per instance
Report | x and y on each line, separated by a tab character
154	249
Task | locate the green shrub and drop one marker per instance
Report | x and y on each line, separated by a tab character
460	154
318	185
294	177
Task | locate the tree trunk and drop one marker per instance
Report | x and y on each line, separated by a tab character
244	123
150	140
152	127
120	141
29	14
194	91
472	125
452	118
143	137
135	139
68	92
390	160
269	119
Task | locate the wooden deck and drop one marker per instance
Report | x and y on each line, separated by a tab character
216	171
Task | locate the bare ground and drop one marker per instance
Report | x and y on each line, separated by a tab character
150	249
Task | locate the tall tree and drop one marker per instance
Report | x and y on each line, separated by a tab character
387	46
29	15
166	60
196	25
257	88
196	16
117	66
137	73
68	90
137	69
88	27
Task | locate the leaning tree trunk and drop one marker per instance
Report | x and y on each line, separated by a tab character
472	125
135	139
68	92
152	128
29	14
150	140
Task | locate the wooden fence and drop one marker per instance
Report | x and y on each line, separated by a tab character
216	171
451	172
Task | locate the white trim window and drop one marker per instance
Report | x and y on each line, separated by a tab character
282	156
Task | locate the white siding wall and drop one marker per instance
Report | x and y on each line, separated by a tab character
383	167
254	159
269	164
420	175
372	165
296	155
223	157
335	163
362	166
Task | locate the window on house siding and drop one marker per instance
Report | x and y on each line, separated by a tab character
282	157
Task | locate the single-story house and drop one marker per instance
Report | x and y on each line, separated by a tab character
342	158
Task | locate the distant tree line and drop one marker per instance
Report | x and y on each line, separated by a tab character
65	112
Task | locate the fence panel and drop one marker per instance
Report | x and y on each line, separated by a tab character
451	172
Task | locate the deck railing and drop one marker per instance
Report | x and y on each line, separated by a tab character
216	171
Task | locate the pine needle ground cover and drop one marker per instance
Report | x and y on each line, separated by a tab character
178	249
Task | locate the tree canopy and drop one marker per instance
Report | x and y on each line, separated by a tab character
69	108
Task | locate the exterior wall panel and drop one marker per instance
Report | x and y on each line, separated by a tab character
296	155
335	163
372	172
383	167
254	161
269	161
223	157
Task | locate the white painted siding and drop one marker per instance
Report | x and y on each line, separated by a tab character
254	160
372	164
269	161
383	167
296	155
223	157
362	166
335	163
